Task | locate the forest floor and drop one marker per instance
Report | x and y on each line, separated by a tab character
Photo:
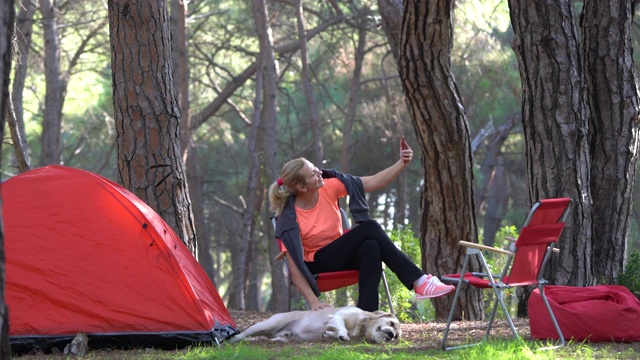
416	336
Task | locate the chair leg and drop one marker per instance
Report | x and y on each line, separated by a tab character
553	319
461	282
386	289
494	310
289	297
290	288
451	313
499	293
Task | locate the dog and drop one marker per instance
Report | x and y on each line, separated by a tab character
332	323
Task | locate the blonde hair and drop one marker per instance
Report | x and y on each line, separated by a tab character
291	179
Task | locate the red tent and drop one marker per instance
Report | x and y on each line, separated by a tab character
83	254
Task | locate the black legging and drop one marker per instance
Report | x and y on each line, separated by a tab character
365	248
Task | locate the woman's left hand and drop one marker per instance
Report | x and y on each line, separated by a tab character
406	154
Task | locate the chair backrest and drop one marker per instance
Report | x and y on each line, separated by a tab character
541	231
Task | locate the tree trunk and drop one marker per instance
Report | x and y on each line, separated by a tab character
497	201
312	109
613	130
391	16
261	134
555	122
180	62
439	117
51	151
267	134
147	114
7	15
354	92
391	19
194	177
352	107
242	255
24	27
493	195
19	142
554	119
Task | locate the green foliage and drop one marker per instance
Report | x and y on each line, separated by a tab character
501	241
497	262
630	277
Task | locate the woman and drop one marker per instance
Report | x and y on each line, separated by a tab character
305	200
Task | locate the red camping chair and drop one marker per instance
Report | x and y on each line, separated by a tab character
524	266
329	281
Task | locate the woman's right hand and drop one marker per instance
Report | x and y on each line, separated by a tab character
318	305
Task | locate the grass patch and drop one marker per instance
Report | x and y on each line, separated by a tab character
404	350
491	350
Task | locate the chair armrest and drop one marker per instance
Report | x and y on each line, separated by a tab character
484	247
281	255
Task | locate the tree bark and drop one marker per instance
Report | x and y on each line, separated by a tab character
261	143
180	58
312	109
554	119
7	15
391	19
439	117
180	62
19	142
354	92
147	113
493	195
24	31
497	201
555	122
613	130
51	150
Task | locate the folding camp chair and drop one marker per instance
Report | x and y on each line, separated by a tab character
524	266
328	281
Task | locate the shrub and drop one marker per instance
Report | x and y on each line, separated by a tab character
630	277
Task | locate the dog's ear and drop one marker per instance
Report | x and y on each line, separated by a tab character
364	317
380	314
360	322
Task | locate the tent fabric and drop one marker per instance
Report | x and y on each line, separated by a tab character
85	254
604	313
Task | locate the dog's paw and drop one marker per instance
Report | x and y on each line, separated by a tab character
283	336
329	334
235	338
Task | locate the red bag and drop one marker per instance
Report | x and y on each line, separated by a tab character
594	313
